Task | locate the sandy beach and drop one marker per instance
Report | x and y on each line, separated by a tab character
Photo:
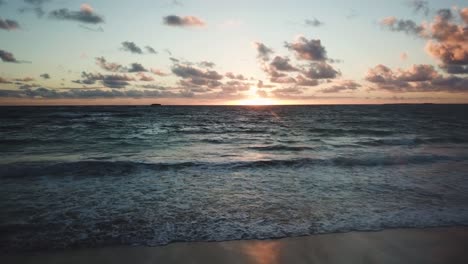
433	245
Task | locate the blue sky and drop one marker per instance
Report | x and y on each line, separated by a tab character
351	33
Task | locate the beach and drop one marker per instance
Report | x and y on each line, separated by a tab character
430	245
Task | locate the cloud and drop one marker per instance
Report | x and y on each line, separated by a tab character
287	92
7	57
282	64
313	22
8	24
108	66
420	6
344	85
408	26
311	50
81	93
206	64
150	50
136	67
25	79
447	39
111	81
145	78
98	29
45	76
131	47
193	77
85	15
36	7
186	21
263	51
418	78
3	80
321	70
464	15
158	72
232	76
185	71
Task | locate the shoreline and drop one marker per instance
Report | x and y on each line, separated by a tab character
403	245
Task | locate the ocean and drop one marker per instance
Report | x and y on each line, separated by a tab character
96	176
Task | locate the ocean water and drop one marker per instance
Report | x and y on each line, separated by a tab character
74	177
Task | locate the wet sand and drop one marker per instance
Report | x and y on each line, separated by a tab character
433	245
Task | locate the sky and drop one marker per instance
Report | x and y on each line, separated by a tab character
58	52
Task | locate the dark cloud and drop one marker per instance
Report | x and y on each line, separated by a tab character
455	69
408	26
136	67
282	64
418	78
321	70
150	50
420	6
313	22
305	49
80	93
185	71
111	81
263	51
115	67
45	76
345	85
186	21
7	56
85	15
8	24
131	47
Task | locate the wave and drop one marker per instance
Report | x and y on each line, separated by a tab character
414	141
357	131
281	148
122	168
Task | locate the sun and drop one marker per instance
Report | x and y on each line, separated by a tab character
258	101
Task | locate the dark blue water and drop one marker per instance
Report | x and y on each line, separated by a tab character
99	176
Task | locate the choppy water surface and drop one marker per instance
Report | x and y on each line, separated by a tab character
98	176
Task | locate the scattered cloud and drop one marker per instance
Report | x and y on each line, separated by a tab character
419	6
25	79
186	21
342	86
408	26
263	51
8	24
313	22
447	39
418	78
131	47
136	67
35	6
311	50
150	50
86	14
45	76
7	56
321	70
282	64
108	66
111	81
